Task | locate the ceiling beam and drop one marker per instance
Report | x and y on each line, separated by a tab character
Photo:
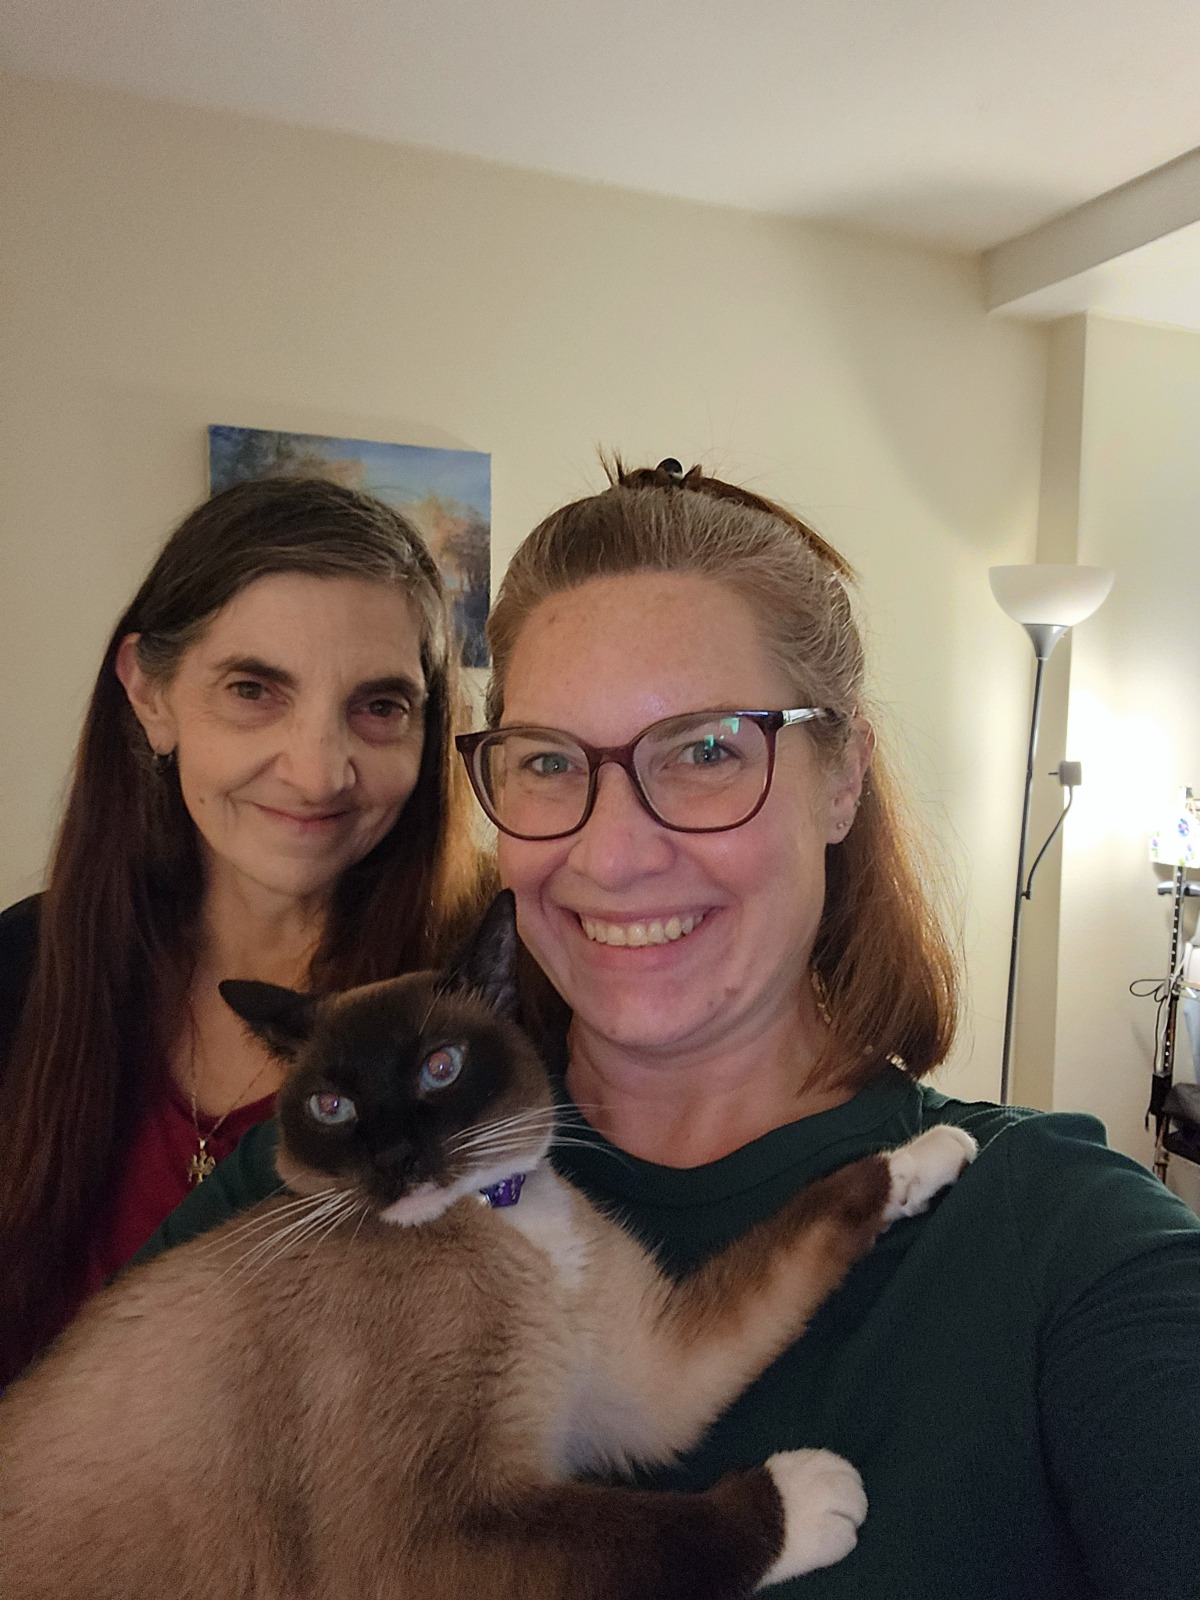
1150	207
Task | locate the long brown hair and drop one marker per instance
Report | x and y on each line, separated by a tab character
119	914
882	964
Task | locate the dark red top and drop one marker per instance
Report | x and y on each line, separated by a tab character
154	1178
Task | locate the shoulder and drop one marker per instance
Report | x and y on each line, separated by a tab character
1058	1149
1070	1208
18	947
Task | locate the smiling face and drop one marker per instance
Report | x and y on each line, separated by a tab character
297	723
606	911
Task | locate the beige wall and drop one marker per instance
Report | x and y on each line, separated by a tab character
165	269
1134	716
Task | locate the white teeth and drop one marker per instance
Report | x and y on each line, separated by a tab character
640	933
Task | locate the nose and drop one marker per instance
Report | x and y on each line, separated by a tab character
620	842
316	757
397	1158
397	1167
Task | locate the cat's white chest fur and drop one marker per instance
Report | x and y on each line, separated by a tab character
548	1215
602	1419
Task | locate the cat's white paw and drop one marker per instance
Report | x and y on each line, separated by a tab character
823	1507
924	1165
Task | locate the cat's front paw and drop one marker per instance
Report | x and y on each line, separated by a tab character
824	1505
925	1165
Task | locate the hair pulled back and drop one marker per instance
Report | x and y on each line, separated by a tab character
881	962
118	919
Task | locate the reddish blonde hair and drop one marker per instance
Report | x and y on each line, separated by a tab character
882	964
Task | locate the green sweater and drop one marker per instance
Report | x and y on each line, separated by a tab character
1016	1374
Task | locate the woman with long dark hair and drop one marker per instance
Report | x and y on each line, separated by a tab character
264	786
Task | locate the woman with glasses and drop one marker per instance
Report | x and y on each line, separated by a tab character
710	872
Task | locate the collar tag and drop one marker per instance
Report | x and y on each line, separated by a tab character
505	1193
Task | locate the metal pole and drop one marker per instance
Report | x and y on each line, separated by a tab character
1044	637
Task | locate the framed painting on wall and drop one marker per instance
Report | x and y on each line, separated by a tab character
446	494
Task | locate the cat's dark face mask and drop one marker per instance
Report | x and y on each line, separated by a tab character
416	1091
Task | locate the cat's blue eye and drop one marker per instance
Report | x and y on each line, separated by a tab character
441	1067
331	1110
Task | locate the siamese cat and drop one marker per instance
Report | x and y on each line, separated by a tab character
388	1380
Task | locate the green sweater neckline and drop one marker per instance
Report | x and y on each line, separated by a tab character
824	1140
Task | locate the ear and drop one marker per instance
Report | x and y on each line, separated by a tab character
848	780
146	696
281	1018
489	964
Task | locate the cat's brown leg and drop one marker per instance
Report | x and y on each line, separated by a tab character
577	1541
664	1374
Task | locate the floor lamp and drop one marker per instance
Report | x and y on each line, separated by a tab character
1047	601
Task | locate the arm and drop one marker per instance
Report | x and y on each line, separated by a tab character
237	1183
1118	1276
1121	1406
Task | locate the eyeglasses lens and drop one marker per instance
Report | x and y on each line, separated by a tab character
536	782
696	772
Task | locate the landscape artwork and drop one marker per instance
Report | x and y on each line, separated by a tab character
447	494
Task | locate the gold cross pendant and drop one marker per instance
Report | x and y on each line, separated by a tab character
200	1165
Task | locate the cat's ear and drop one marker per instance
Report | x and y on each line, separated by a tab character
489	963
281	1018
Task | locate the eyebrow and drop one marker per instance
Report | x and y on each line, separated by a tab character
255	667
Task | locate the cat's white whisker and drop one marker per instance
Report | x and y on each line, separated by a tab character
283	1238
485	1150
265	1219
365	1213
284	1208
509	1144
230	1237
436	996
341	1217
561	1142
274	1243
517	1119
319	1224
532	1122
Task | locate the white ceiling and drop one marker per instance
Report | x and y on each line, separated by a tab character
956	123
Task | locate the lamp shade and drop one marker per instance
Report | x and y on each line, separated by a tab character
1046	594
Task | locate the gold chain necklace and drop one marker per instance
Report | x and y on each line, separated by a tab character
202	1161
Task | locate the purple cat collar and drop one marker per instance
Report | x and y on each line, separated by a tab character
505	1193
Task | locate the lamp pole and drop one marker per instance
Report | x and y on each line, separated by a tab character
1032	595
1044	636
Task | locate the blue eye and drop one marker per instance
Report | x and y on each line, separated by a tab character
706	752
331	1110
441	1067
549	765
